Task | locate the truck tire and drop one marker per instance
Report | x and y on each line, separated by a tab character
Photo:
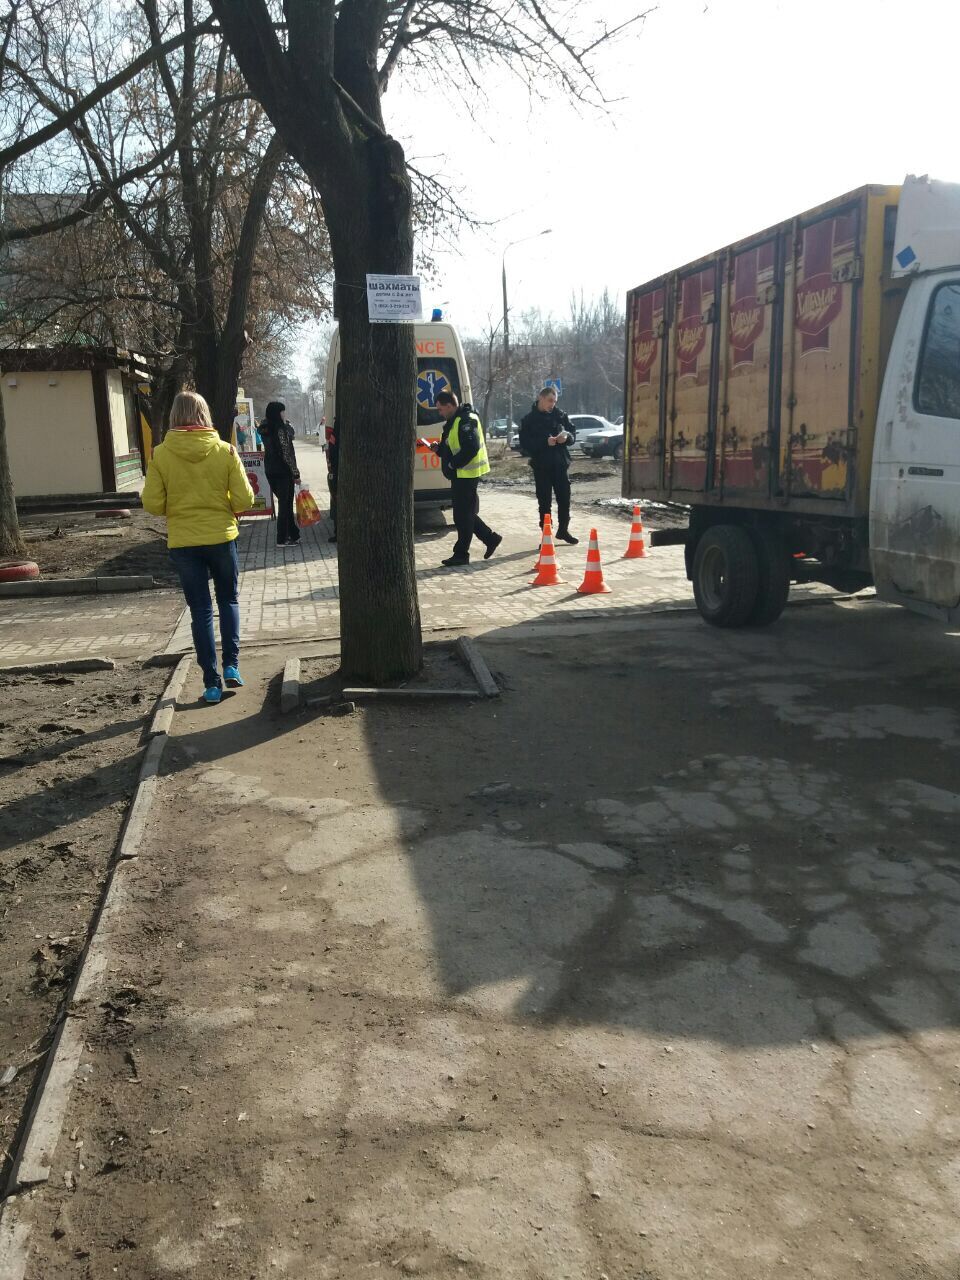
773	579
725	576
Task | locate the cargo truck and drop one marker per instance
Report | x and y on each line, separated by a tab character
799	393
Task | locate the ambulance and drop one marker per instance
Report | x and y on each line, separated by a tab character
441	366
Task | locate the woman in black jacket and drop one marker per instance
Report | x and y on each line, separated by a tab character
280	464
544	435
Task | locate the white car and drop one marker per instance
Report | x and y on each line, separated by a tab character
607	443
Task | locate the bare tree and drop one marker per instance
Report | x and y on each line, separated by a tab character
11	543
130	251
191	237
585	351
320	68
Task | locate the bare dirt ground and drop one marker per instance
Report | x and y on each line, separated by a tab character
75	544
69	756
594	482
508	466
645	971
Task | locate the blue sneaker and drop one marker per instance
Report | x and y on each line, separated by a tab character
232	677
212	695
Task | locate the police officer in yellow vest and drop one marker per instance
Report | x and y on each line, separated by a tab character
463	457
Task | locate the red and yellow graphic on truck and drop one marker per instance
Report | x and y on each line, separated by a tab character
751	380
646	319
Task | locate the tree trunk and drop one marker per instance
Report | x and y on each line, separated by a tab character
323	98
223	405
379	611
11	543
169	382
233	336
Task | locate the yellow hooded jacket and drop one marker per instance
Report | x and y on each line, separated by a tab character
197	481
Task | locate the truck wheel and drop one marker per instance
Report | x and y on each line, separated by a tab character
773	579
725	576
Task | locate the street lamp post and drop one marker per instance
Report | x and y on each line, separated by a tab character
506	322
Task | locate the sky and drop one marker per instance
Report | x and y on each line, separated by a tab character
724	116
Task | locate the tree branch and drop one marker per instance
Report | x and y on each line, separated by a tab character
80	108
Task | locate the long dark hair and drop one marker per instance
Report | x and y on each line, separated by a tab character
272	420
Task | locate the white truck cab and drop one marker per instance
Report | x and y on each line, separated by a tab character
915	476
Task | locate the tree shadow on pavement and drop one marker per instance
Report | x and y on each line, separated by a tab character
739	837
744	837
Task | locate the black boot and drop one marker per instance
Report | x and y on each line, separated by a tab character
492	545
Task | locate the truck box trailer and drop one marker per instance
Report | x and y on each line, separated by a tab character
799	391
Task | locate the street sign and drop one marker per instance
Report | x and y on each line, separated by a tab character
394	299
556	383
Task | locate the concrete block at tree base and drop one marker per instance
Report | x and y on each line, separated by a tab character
478	667
290	690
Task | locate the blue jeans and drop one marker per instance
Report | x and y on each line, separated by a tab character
195	565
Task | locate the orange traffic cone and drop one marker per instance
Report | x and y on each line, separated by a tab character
636	549
547	528
547	575
593	583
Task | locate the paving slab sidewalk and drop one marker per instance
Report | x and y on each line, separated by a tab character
645	974
293	593
121	626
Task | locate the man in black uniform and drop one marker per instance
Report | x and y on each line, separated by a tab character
463	458
544	435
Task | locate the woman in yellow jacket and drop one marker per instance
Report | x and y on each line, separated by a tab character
197	481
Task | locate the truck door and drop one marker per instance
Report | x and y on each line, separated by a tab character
643	434
817	437
693	409
915	503
747	408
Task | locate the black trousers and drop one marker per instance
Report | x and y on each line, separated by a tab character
550	481
281	482
466	505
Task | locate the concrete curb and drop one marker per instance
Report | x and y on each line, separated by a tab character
290	690
139	811
14	1236
163	716
78	586
67	664
41	1132
36	1154
165	659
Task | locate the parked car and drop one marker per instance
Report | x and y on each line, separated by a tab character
502	429
584	423
606	443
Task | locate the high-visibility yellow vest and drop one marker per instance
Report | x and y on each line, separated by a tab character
479	466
